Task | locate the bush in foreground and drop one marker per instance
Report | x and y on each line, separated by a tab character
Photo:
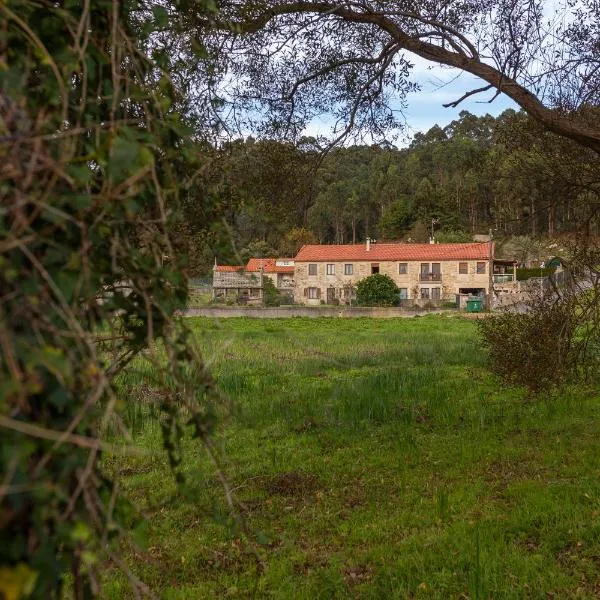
377	290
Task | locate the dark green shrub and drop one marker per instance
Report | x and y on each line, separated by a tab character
377	290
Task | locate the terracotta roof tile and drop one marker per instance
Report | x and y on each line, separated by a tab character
269	265
396	251
229	268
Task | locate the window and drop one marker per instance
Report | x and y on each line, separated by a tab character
314	293
348	269
463	268
480	268
374	269
431	272
402	268
330	269
436	293
425	293
312	269
403	293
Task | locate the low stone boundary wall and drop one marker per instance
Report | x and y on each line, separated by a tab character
285	312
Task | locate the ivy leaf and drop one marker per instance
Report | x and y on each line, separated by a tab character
17	582
161	16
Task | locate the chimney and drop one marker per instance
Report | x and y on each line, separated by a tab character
368	244
432	240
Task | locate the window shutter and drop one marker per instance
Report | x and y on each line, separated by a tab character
318	293
305	292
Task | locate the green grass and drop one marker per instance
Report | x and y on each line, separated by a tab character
377	459
198	298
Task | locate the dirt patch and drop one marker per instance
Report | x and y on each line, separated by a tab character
358	574
500	473
294	483
529	544
310	563
309	424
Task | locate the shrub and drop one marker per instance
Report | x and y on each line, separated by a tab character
557	338
271	295
377	290
535	349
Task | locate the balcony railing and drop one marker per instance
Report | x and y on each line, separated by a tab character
430	276
285	284
504	278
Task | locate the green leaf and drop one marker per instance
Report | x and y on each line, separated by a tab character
161	16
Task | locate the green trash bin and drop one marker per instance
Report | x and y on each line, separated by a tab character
474	305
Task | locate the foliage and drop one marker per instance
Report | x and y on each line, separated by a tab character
557	338
396	220
294	239
524	274
535	349
257	249
93	152
377	290
270	292
452	236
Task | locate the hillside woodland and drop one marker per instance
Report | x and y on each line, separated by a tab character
260	197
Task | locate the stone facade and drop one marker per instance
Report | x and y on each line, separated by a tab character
237	285
335	284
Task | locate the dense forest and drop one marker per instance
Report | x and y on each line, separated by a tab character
265	197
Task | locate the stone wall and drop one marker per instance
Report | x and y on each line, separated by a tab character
451	280
286	312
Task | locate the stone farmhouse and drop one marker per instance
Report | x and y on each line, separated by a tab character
424	273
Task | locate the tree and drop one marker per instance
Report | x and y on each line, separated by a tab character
396	220
258	249
294	239
349	58
377	290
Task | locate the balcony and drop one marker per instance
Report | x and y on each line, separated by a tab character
503	278
430	276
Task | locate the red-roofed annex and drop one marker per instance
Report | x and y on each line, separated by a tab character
247	282
271	265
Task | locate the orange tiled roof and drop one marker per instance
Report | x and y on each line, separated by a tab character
395	251
229	268
268	265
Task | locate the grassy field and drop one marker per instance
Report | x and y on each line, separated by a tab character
376	459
